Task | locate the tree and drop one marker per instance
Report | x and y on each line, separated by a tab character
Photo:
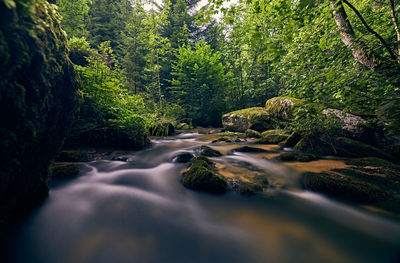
74	14
199	83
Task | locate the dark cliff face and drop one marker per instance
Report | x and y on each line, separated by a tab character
37	102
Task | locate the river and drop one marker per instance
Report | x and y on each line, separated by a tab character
138	211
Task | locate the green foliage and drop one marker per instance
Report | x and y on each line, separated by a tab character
74	14
199	83
309	120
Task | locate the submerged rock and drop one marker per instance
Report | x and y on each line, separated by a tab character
248	149
202	177
209	152
183	158
274	136
297	156
252	118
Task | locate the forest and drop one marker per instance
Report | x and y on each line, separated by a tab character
200	131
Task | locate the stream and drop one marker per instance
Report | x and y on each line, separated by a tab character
138	211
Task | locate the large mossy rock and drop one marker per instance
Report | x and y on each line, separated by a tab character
274	136
345	187
350	125
339	146
252	118
37	101
367	181
202	177
282	108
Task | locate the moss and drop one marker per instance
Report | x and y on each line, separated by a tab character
273	136
72	156
201	177
255	118
297	156
346	188
65	171
252	134
201	161
249	112
249	188
209	152
282	107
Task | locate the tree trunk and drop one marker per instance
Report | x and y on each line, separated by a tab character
358	48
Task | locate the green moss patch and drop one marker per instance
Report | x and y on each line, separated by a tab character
282	106
252	134
345	187
273	136
201	177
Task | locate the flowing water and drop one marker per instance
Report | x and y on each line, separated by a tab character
138	211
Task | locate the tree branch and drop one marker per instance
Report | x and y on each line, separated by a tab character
384	43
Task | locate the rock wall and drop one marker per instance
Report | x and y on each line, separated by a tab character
37	101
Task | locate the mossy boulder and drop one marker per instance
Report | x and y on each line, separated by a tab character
282	108
345	187
72	156
251	118
297	156
274	136
349	125
209	152
252	134
339	146
37	102
64	171
202	177
351	148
